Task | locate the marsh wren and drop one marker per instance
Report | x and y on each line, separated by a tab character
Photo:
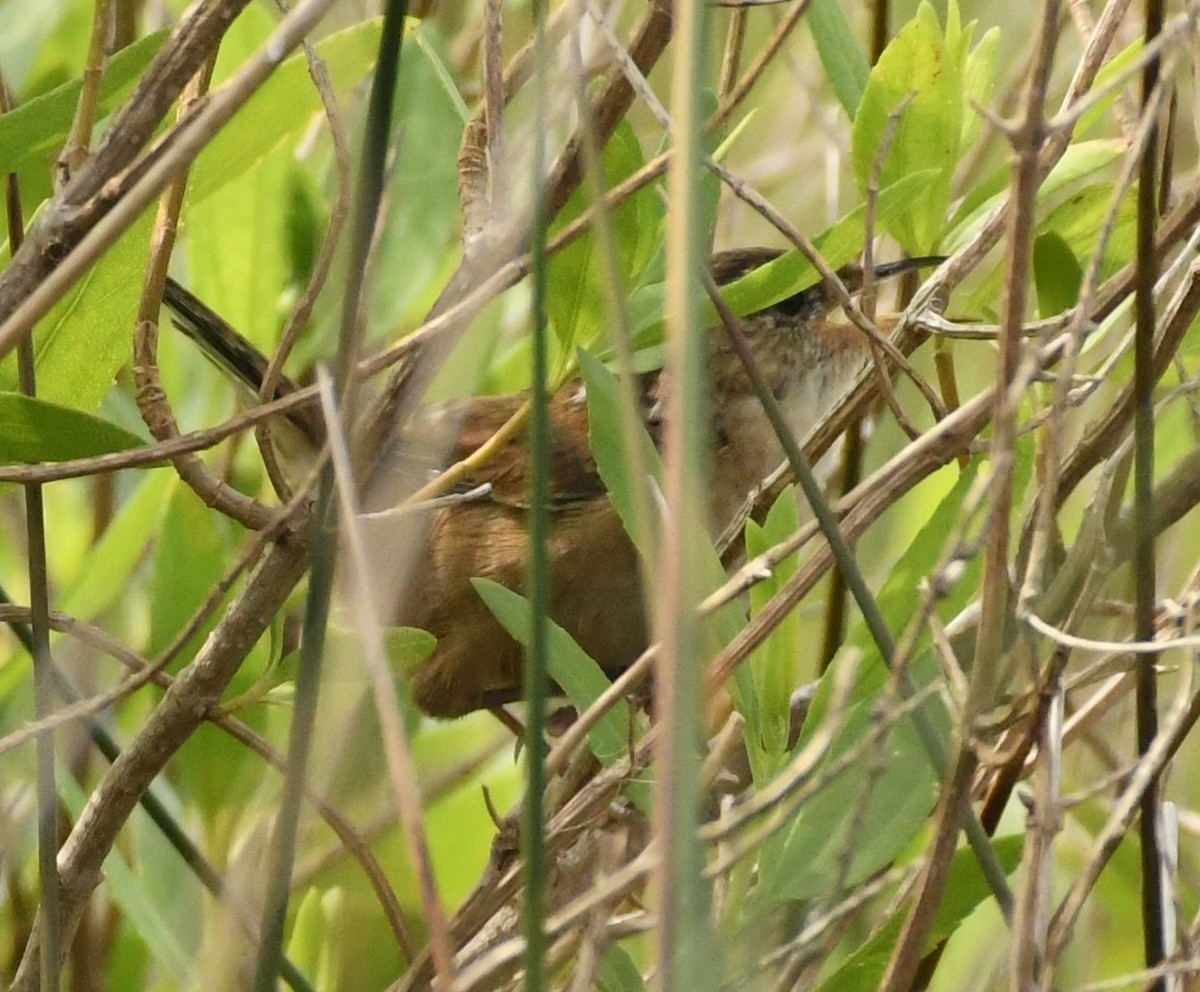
808	361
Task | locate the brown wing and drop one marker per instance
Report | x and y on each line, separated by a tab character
451	432
573	474
594	595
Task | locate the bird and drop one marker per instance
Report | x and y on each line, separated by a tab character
808	360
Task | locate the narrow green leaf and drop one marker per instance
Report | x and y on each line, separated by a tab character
417	239
898	600
843	242
35	430
610	448
979	82
113	559
576	298
1078	221
85	339
791	272
233	248
167	882
958	38
570	666
905	759
306	944
1100	115
234	235
612	462
128	892
190	557
775	663
841	54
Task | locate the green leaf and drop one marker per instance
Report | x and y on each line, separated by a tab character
1100	114
307	941
801	862
84	340
612	451
835	825
966	889
26	32
979	82
235	261
407	647
304	226
841	54
919	78
1056	273
283	105
32	135
234	235
774	664
1080	160
417	237
1078	222
34	430
610	448
618	973
792	272
190	558
576	298
898	601
112	560
218	776
958	38
168	883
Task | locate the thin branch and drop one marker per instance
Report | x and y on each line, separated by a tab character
172	722
79	140
50	910
70	215
74	230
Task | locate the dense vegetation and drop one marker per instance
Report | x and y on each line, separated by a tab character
970	771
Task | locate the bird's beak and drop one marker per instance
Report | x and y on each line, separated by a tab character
889	269
852	275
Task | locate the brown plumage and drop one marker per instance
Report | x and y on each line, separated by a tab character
594	577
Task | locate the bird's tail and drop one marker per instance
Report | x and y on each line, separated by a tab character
232	353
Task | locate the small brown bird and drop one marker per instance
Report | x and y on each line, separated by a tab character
808	361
